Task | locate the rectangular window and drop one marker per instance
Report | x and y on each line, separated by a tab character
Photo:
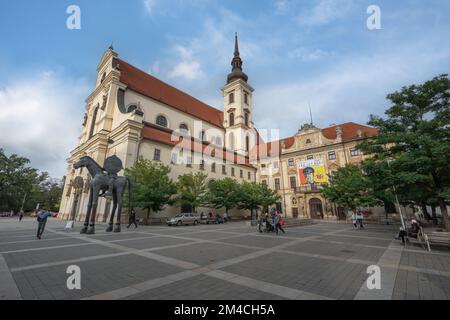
263	166
291	162
189	162
293	181
213	167
354	152
231	98
332	155
310	157
232	171
245	97
224	169
202	165
275	164
241	174
249	176
277	184
264	182
157	155
173	160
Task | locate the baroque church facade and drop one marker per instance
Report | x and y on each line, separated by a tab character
132	114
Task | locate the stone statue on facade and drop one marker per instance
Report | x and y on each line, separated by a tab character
107	181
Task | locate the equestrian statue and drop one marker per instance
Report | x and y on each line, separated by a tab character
107	181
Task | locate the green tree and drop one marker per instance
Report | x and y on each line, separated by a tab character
350	188
48	194
17	179
152	187
223	194
415	136
192	190
253	196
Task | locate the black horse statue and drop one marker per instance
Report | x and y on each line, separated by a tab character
103	182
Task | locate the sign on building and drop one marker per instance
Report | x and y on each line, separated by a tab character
312	171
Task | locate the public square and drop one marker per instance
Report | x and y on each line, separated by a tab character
230	262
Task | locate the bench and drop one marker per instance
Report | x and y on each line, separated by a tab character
439	238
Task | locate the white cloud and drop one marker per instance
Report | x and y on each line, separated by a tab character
149	6
189	70
350	91
40	118
307	55
324	12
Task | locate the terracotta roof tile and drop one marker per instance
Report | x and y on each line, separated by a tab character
164	136
349	131
147	85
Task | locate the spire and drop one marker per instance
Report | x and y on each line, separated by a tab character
236	45
111	47
236	63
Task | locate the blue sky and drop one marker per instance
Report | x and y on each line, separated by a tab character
296	53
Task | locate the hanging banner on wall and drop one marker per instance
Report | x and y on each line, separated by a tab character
312	171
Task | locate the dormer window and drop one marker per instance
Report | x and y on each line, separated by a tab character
231	98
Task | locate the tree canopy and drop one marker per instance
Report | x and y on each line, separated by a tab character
414	136
152	187
223	194
192	190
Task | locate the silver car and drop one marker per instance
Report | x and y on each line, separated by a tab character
183	219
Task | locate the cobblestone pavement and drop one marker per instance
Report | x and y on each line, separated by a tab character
231	261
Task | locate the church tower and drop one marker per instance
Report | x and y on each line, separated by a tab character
237	97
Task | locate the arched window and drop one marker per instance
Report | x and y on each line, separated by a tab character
231	98
231	140
161	121
232	119
247	143
246	119
184	128
94	119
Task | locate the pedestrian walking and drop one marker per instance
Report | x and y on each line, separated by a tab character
261	223
401	235
21	213
42	221
132	219
354	220
279	222
360	217
225	217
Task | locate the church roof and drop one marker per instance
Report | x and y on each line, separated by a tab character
165	136
149	86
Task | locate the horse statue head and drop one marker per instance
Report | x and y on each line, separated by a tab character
83	162
93	167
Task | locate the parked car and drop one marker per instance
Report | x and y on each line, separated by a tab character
183	219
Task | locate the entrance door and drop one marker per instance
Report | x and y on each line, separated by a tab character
315	208
295	212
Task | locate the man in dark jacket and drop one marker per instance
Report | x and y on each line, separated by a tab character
42	220
132	219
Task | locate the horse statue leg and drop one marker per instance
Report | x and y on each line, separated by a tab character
113	212
91	229
119	190
88	213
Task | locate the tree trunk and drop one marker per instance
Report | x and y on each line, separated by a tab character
444	213
425	211
148	216
433	214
